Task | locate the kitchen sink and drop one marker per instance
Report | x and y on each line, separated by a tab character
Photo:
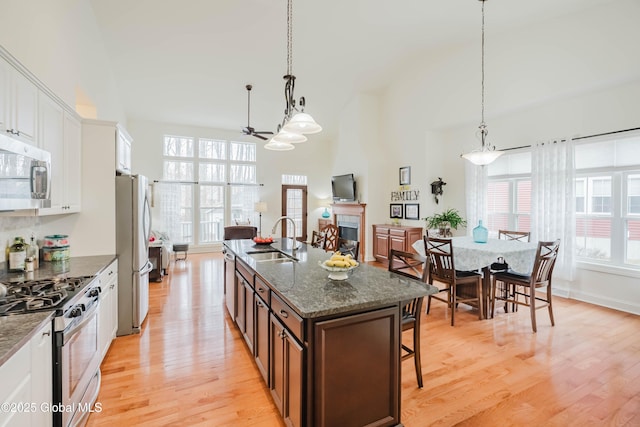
273	256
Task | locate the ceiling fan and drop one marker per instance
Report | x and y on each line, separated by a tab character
248	130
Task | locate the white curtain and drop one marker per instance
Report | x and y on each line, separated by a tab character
167	199
476	178
553	200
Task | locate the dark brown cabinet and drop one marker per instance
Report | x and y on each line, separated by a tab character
261	343
286	373
155	257
346	366
230	283
387	237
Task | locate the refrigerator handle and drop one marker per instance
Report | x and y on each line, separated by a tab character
147	268
147	219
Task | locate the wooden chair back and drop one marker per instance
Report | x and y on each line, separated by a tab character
440	259
546	256
232	232
408	264
522	236
317	239
330	238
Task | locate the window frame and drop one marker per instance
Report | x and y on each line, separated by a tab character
222	181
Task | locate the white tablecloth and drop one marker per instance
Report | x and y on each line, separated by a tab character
469	255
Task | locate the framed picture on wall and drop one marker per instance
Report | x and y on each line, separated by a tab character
411	211
405	175
395	210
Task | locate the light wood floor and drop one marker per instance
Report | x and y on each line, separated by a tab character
190	366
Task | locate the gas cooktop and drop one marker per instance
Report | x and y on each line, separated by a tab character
39	295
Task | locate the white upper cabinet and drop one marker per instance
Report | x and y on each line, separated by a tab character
18	103
59	133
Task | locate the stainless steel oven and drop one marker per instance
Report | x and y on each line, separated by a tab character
77	360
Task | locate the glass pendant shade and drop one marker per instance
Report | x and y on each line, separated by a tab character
289	137
482	157
278	146
302	123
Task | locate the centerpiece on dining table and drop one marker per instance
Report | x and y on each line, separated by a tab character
339	265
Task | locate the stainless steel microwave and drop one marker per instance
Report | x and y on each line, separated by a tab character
25	176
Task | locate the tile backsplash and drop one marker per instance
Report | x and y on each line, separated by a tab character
11	227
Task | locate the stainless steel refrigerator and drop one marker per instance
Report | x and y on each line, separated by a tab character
133	228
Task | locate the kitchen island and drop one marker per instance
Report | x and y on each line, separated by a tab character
328	350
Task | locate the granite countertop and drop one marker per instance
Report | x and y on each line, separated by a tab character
305	286
17	330
74	267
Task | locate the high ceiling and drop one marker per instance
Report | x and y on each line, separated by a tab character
188	62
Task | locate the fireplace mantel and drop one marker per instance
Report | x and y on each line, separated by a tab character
353	209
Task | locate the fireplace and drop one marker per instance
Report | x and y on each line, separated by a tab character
350	220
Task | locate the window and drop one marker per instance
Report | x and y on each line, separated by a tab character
607	200
214	180
509	193
294	204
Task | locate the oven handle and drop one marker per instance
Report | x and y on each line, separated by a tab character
86	317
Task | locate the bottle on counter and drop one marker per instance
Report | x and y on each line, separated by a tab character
34	252
17	255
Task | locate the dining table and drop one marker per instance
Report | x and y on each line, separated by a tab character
469	255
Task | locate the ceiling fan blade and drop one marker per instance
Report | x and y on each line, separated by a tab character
260	136
264	132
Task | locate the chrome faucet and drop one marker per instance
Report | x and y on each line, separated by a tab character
293	223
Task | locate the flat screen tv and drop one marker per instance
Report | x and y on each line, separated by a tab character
343	188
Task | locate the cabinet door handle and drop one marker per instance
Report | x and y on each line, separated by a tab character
284	314
46	334
261	290
282	334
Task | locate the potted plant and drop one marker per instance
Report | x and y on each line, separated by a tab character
444	221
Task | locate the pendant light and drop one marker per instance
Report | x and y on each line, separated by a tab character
486	153
295	122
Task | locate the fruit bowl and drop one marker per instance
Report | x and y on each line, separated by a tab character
259	241
338	272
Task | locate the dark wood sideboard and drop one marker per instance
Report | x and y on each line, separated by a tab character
399	237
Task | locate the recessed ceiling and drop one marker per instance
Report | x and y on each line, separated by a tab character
188	62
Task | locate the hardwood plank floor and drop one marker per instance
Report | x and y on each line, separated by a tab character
191	367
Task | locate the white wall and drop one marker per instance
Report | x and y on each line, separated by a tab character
58	41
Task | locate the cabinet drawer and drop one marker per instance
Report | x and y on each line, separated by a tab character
263	290
245	271
397	232
292	321
381	230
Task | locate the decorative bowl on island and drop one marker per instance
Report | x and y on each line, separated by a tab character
338	266
262	240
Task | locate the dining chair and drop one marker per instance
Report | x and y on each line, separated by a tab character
346	246
330	238
527	285
410	265
441	262
520	236
317	239
240	232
